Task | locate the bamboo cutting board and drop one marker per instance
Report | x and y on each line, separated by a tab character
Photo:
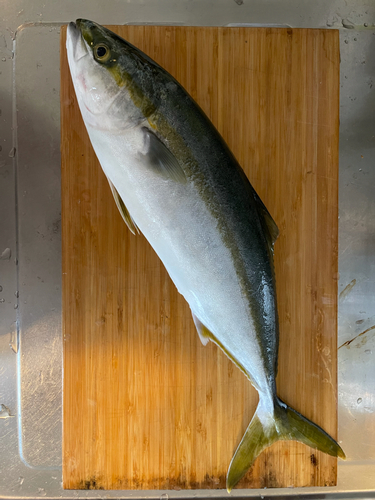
146	406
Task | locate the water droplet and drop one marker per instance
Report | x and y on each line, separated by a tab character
6	254
12	153
346	41
368	351
164	496
347	24
2	301
13	344
3	59
5	412
17	293
15	306
1	288
21	480
359	401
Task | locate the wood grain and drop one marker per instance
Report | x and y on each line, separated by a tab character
146	406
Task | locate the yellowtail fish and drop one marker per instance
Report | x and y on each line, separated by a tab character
175	180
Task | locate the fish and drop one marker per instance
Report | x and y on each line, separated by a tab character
175	180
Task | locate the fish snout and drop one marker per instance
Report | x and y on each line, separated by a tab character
75	43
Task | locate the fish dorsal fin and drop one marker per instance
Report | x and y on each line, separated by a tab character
160	158
272	229
203	332
268	224
123	210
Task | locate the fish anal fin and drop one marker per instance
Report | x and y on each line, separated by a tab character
205	335
203	332
123	210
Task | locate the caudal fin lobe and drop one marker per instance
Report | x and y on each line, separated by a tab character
264	430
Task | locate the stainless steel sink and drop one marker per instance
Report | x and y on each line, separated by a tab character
30	230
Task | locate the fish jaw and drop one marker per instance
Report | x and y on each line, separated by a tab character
78	56
104	104
75	43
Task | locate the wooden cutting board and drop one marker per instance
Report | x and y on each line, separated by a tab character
146	406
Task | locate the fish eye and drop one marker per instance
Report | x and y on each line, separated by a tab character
101	52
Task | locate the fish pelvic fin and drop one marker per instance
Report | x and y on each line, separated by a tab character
265	429
128	219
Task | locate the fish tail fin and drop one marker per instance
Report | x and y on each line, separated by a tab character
265	429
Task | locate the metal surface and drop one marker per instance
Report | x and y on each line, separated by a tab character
30	250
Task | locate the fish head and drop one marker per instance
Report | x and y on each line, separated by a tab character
102	67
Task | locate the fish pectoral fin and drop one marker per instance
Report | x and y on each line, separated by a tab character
161	160
203	332
123	210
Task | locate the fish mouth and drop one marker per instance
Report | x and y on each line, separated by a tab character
75	41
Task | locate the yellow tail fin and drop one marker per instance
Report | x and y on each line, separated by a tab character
265	429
